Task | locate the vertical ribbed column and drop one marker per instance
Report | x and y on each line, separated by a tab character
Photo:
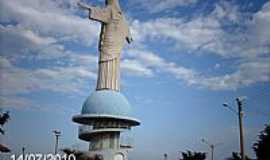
103	141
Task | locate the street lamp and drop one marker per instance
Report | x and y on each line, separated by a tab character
23	153
240	114
165	156
57	134
211	146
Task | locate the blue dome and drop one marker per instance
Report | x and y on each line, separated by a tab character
106	102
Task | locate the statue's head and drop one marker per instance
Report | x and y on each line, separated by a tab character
114	3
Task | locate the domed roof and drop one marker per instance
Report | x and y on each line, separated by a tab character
106	102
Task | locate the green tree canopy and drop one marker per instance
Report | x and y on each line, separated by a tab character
236	156
262	146
193	155
3	119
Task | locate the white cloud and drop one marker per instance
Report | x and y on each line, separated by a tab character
226	10
19	42
198	33
155	63
37	31
247	73
37	39
260	26
49	19
134	67
161	5
67	80
208	34
15	102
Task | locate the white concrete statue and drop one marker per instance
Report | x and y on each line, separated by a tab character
114	33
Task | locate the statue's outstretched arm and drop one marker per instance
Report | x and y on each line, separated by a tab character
84	6
96	13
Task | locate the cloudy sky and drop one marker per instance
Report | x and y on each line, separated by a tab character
188	57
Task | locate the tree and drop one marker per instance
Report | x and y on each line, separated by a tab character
193	156
236	156
82	155
3	120
262	146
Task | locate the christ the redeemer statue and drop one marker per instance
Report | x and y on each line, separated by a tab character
114	33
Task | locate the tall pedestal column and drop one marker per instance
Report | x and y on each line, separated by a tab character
105	141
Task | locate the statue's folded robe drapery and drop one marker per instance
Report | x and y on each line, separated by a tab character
114	33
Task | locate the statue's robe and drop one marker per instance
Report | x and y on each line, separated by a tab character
114	33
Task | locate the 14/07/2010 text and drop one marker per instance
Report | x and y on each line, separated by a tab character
39	156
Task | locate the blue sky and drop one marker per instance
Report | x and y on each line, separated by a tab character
188	57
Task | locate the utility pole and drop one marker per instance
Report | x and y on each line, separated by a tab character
241	132
240	115
165	156
57	134
211	146
23	153
212	151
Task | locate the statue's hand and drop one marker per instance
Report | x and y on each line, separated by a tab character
83	6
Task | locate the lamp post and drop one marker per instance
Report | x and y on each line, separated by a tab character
165	156
240	115
57	134
23	153
211	146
